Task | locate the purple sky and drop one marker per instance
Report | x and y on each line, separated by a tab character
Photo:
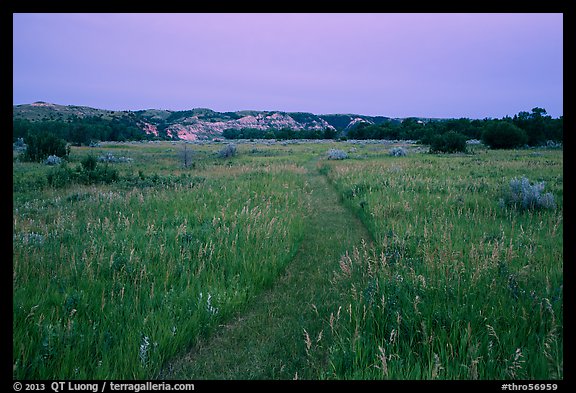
397	65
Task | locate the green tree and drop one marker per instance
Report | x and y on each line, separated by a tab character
450	142
534	125
42	145
503	135
329	133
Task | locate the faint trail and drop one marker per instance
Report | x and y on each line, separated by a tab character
267	341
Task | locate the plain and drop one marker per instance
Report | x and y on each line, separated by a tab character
120	273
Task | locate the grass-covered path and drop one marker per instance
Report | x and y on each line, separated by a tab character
267	340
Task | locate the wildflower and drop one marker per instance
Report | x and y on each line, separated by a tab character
516	365
437	366
211	309
33	239
308	341
144	347
393	335
383	361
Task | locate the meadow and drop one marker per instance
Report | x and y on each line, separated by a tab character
114	280
456	286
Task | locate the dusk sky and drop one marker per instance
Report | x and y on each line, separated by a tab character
397	65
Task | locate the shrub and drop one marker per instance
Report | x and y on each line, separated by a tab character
100	174
553	145
19	146
89	163
227	151
40	146
186	155
450	142
335	154
89	172
53	160
109	157
523	195
60	176
504	135
397	152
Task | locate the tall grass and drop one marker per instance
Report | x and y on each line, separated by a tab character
456	286
112	281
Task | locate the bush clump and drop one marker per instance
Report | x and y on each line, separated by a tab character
89	172
53	160
89	163
60	176
450	142
335	154
40	146
109	157
503	135
523	195
19	146
398	152
227	151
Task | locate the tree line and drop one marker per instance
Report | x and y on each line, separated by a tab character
81	130
280	134
526	128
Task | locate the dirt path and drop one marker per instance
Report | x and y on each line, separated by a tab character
267	340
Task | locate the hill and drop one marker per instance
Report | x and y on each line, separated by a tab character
197	123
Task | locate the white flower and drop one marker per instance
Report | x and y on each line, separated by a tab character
144	346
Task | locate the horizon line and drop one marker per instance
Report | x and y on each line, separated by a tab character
274	110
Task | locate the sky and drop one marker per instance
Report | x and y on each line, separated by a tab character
397	65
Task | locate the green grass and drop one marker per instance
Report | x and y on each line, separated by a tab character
111	281
279	263
456	286
268	340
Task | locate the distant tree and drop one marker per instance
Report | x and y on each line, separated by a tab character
554	129
534	125
40	146
230	133
285	133
329	133
20	129
79	134
503	135
450	142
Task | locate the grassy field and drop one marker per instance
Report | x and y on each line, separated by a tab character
457	287
418	272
